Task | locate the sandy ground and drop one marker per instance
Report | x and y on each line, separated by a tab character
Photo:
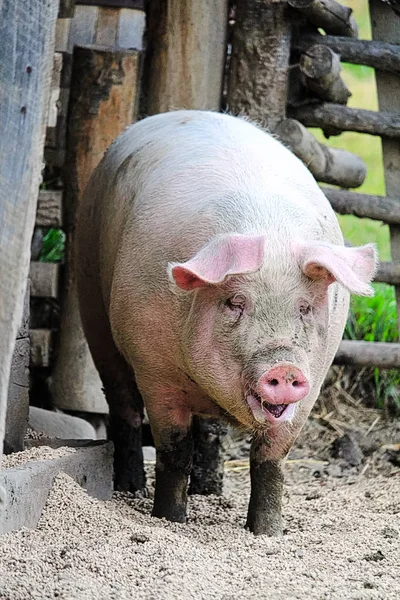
342	540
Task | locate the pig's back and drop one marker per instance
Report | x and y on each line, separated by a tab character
172	181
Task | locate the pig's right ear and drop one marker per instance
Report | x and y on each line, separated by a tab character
231	254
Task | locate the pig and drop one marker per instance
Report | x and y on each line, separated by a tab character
213	282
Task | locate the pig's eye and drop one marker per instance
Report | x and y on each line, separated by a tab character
305	309
236	303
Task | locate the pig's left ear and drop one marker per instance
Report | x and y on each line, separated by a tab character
353	268
230	254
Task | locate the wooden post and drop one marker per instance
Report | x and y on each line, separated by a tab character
258	82
329	15
184	68
185	55
27	30
102	103
386	28
321	70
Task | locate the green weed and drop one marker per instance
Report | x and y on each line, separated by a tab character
53	246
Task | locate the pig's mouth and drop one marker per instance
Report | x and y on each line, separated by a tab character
265	411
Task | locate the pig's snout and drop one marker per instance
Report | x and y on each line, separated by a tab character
283	384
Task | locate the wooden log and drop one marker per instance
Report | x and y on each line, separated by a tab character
321	69
40	347
335	118
385	27
258	82
18	389
330	165
388	272
381	208
49	209
176	74
331	16
44	278
102	103
368	354
375	54
27	31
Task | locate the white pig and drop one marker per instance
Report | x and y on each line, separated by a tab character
213	281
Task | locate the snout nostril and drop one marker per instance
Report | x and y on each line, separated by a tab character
295	383
274	382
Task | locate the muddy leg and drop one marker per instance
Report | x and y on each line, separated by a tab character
173	465
208	460
265	508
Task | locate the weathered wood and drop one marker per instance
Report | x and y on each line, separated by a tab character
44	278
258	82
131	29
386	27
329	15
388	272
368	354
27	30
335	118
83	29
49	209
18	390
107	27
63	30
177	74
321	69
40	347
138	4
102	103
328	165
376	54
55	90
381	208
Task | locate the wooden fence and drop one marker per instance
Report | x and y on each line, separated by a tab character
266	59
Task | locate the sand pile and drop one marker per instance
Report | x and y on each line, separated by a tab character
342	541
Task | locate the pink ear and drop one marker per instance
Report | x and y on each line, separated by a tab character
353	268
225	255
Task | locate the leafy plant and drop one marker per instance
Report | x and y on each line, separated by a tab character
53	246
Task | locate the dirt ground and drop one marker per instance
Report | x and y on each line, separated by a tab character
342	536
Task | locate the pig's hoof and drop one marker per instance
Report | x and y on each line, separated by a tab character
260	526
171	513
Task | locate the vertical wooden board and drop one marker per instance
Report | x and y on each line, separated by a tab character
27	32
185	54
63	31
84	24
107	27
386	27
131	28
258	82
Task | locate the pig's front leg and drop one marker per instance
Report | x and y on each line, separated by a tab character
265	508
173	466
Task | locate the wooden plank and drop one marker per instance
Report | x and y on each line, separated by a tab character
381	208
55	89
131	28
84	25
388	272
49	209
44	278
335	118
63	31
138	4
258	81
386	28
40	347
372	53
102	103
27	32
18	390
368	354
107	27
177	73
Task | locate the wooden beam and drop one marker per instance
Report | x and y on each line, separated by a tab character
334	118
381	208
386	27
329	165
258	81
27	32
388	272
368	354
176	73
40	347
49	209
320	67
44	278
103	101
375	54
329	15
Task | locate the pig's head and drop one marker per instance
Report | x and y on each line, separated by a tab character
255	319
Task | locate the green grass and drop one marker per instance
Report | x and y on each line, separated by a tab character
53	246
